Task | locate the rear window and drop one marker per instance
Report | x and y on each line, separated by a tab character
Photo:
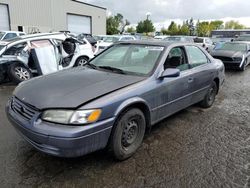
198	40
243	38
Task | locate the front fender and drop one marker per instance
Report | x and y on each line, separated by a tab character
129	102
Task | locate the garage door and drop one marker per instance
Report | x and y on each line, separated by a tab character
79	24
4	18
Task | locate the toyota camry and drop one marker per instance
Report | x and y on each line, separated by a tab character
114	98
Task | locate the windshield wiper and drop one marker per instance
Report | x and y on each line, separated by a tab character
91	65
113	69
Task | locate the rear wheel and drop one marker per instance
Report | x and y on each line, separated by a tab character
19	73
209	99
128	134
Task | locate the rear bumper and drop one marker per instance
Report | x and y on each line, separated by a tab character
91	140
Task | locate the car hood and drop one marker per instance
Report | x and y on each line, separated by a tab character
227	53
71	88
105	44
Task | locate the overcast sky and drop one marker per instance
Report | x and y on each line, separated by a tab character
165	10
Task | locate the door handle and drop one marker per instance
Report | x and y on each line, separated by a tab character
190	80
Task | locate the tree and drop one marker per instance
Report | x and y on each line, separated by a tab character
116	24
130	30
173	28
217	24
184	29
190	24
145	26
234	25
203	29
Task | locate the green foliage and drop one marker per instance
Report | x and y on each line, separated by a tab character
131	30
145	26
173	28
116	24
184	29
203	29
217	24
234	25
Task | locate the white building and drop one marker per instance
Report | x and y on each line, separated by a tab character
52	15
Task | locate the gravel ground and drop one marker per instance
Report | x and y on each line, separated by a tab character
194	148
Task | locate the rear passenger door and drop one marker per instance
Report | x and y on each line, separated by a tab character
202	72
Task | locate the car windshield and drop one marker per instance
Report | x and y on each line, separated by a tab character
129	59
233	47
2	34
111	39
1	47
198	40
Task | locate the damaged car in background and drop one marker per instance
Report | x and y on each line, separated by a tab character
113	99
23	57
234	55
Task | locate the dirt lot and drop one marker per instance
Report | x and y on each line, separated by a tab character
194	148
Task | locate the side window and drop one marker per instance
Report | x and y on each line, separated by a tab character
196	56
21	34
176	59
10	36
16	49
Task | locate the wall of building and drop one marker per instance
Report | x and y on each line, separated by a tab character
51	15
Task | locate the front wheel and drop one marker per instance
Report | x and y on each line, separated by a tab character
81	61
19	73
209	99
128	134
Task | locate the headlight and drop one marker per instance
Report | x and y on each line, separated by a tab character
72	117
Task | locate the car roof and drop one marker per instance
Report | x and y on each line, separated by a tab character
155	43
11	31
25	38
40	35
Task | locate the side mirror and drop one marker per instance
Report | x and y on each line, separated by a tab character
170	73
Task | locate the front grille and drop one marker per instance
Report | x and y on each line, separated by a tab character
222	58
25	110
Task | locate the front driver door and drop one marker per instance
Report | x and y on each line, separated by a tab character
173	93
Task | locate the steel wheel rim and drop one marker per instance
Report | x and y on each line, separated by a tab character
22	73
211	95
130	133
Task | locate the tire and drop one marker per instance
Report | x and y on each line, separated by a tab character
81	61
243	68
128	134
19	73
209	99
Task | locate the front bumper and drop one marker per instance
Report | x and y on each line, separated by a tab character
232	64
62	140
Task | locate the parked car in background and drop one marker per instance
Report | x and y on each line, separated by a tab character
179	39
127	88
17	63
99	38
6	35
161	37
89	38
234	55
111	39
205	42
245	37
